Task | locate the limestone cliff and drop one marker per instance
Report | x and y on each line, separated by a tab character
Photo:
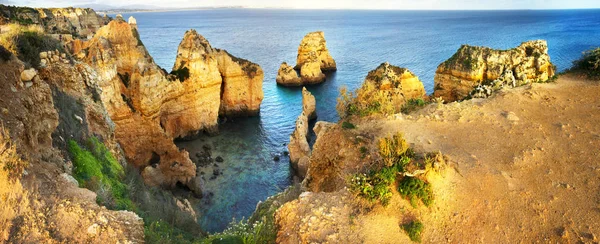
150	107
315	42
78	22
298	146
43	204
233	86
471	66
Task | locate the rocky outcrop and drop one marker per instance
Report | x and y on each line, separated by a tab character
385	91
78	22
42	205
313	48
298	147
151	108
309	104
313	58
471	66
287	76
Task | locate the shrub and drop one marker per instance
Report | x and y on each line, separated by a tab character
413	105
374	186
348	126
413	230
98	170
4	54
27	42
11	162
414	189
162	232
589	63
392	150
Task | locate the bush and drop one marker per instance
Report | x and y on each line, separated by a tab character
348	126
162	232
413	105
413	230
374	186
414	189
393	150
26	42
4	54
98	170
10	161
589	63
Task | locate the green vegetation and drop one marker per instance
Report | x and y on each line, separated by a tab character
397	157
414	230
182	74
98	170
26	42
414	189
368	100
589	64
348	126
261	226
413	105
4	54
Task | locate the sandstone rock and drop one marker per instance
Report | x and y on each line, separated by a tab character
43	55
310	71
70	179
309	104
315	42
287	76
132	21
471	66
28	74
298	146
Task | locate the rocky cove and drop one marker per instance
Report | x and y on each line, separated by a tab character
105	100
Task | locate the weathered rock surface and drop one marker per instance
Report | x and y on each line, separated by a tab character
78	22
313	58
398	84
287	76
309	104
150	107
471	66
298	146
315	42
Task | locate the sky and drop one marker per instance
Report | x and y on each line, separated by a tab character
326	4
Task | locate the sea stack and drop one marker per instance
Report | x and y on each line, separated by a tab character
477	71
298	146
313	58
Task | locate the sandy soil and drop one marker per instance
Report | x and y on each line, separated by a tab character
524	167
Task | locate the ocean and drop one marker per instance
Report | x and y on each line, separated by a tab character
359	41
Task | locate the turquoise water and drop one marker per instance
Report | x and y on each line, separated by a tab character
359	41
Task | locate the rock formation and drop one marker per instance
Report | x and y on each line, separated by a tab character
298	146
287	76
78	22
313	58
471	66
315	42
385	90
150	107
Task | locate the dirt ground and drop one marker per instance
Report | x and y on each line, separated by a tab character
524	167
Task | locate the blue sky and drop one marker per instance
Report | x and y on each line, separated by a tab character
330	4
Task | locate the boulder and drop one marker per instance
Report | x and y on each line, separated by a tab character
310	71
473	69
28	74
287	76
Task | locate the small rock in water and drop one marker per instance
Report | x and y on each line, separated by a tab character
202	172
286	153
219	159
216	172
213	177
198	154
216	165
206	147
276	158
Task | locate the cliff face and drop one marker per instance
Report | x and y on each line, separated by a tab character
399	84
471	66
150	107
43	204
79	22
313	58
233	85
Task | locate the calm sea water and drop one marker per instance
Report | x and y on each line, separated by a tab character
359	41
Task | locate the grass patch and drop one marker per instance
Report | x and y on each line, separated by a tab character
375	186
97	169
348	126
413	230
26	42
394	150
413	105
416	189
589	64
